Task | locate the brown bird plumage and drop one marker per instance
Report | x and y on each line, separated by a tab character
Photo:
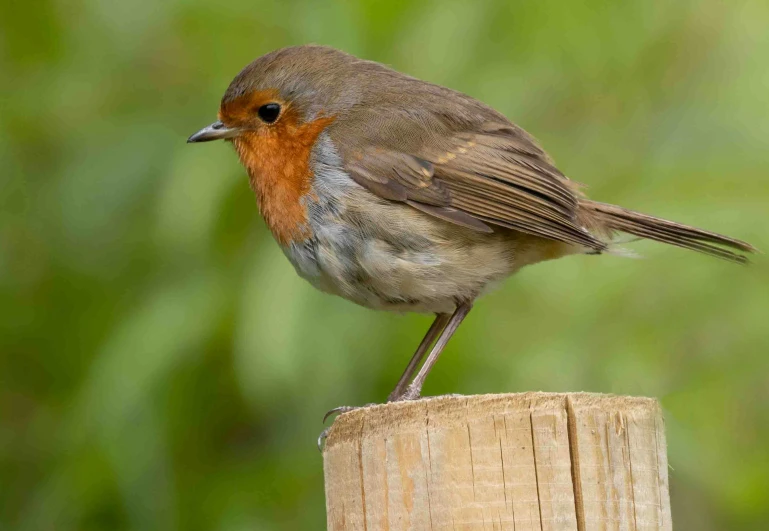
402	195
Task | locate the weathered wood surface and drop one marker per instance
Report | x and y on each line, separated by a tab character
523	462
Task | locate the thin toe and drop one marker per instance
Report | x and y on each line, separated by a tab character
344	409
338	411
322	439
409	394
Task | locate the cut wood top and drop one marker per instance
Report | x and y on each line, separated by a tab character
527	461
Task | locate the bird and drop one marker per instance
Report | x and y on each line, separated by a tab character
402	195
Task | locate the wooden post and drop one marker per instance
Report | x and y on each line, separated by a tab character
523	462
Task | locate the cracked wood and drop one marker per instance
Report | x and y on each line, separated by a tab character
522	462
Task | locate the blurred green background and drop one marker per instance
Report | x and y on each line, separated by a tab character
163	368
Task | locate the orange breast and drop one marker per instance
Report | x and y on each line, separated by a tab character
277	158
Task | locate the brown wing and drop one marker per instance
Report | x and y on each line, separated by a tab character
408	179
494	175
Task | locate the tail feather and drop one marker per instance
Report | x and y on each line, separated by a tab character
612	218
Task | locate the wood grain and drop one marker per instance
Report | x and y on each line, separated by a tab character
522	462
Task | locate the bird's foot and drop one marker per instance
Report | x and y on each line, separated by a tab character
343	409
336	411
322	439
411	393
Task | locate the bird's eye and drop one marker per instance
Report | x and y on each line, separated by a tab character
269	112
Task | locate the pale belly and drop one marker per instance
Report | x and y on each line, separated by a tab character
398	270
390	256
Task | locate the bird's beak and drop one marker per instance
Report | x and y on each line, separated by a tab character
215	131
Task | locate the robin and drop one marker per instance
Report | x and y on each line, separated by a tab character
401	195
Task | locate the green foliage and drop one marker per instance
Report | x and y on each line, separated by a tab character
163	368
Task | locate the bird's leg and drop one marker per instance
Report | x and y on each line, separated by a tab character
435	329
444	327
415	388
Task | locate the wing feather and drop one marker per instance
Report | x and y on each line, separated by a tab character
496	176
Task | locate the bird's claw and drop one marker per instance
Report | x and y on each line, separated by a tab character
322	439
344	409
338	410
335	411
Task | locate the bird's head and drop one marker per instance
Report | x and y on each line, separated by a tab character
279	92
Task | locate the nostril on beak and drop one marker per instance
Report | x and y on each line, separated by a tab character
215	131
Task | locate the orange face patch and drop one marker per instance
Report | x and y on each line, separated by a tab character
242	111
277	158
